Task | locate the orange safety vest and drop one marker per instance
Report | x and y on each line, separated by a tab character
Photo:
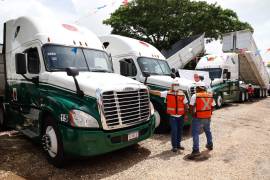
204	105
175	103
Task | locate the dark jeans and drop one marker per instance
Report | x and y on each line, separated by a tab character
196	126
176	130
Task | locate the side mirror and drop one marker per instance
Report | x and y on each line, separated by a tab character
173	75
72	71
173	70
228	75
20	63
201	78
146	74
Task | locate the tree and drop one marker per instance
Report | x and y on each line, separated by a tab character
164	22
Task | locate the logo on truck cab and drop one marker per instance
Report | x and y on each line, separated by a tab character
69	27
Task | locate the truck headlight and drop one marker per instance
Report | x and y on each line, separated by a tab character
152	109
81	119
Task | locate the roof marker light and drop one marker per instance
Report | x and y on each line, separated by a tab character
74	42
80	43
49	40
86	44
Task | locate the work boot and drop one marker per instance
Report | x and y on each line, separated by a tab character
194	153
209	147
174	150
181	148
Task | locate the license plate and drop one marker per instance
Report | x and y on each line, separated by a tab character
133	135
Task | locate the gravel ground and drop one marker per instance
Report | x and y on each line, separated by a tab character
241	151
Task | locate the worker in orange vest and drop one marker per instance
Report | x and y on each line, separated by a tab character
202	105
177	105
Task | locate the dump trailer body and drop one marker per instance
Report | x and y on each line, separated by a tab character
252	69
178	57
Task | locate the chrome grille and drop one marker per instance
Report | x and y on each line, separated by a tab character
125	108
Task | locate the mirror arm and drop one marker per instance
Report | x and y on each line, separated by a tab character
145	81
34	80
78	90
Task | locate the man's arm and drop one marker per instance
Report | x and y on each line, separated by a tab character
155	92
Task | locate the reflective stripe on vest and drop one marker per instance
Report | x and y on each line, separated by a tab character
204	105
175	103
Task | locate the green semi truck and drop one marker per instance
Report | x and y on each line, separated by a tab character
58	88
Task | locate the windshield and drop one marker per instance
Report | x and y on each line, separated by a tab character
214	73
58	58
154	66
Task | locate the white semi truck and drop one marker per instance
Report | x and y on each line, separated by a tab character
58	87
240	65
137	59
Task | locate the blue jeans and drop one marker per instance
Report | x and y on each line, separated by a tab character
196	125
176	130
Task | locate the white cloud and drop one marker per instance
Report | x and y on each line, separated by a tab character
254	12
15	8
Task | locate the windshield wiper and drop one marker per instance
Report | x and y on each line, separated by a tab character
99	70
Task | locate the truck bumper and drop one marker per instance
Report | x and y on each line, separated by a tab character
81	142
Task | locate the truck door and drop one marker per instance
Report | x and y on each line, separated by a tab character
30	99
128	68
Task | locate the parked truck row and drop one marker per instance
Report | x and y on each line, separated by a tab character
81	95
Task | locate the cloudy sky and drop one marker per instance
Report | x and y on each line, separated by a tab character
84	12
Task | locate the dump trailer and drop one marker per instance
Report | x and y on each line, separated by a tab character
252	69
2	75
185	51
59	90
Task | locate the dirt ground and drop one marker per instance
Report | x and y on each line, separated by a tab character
241	135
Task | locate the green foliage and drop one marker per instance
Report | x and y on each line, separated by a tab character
163	22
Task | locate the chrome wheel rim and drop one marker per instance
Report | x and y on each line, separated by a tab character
50	141
157	117
243	97
219	101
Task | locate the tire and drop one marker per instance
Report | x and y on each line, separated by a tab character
242	97
157	117
52	143
219	101
247	97
3	124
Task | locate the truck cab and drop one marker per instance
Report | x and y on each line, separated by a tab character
137	59
224	74
60	89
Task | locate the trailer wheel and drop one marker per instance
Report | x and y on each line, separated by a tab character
219	101
2	119
52	143
247	97
242	97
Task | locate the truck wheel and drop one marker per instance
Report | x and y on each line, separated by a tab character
52	143
219	101
157	117
2	119
242	97
247	98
